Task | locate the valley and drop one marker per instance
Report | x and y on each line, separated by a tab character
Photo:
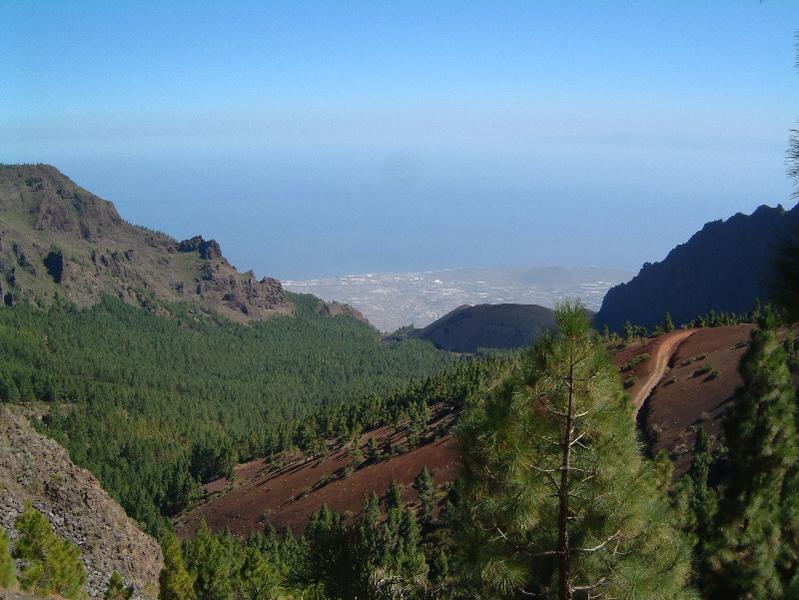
399	301
224	420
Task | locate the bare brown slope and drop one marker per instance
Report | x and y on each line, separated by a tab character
670	401
650	372
687	397
56	238
286	496
36	469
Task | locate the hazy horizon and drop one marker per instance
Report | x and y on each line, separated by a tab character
393	300
317	140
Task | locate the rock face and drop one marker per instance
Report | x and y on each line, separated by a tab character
490	326
36	469
208	250
58	239
723	267
15	595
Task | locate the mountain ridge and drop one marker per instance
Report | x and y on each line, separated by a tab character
58	240
723	267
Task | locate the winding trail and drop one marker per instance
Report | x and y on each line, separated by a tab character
661	359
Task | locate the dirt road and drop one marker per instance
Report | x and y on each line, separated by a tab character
660	363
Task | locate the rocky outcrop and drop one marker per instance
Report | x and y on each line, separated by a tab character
36	469
57	239
55	263
15	595
208	250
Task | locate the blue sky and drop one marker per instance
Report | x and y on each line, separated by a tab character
320	138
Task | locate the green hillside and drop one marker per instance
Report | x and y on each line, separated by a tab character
151	404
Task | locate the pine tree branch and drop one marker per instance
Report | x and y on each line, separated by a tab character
550	440
548	473
588	588
602	545
577	439
553	410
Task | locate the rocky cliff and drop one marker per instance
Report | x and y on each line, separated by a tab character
57	239
36	469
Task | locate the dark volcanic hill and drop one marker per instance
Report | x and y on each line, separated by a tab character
495	326
57	239
723	267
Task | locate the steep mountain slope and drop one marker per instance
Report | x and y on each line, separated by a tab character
496	326
723	267
58	239
155	358
36	469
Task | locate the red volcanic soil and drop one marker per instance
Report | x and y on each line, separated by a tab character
648	373
286	497
672	396
687	398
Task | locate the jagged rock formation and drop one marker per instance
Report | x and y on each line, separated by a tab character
497	326
723	267
58	239
36	469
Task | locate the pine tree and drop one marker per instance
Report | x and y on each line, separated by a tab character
257	579
336	559
8	576
664	470
388	448
8	389
756	312
751	556
209	564
410	558
175	581
50	564
695	502
785	261
370	513
629	332
65	571
557	500
439	567
703	500
668	324
393	496
424	487
372	451
117	590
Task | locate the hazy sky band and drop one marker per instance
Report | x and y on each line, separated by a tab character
320	138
